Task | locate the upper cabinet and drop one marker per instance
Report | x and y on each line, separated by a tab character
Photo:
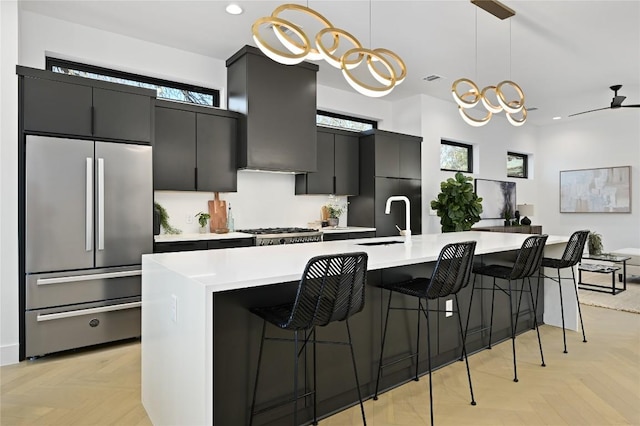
338	169
278	104
394	154
195	148
75	106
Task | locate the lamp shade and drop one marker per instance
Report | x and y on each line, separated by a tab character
525	209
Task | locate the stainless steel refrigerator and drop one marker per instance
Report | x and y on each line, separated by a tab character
88	220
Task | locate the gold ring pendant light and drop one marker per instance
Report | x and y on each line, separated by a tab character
385	66
473	96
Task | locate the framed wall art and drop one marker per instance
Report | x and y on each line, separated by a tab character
602	190
497	198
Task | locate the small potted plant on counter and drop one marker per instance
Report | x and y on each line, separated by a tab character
334	211
202	221
164	219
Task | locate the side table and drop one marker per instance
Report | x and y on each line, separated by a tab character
604	269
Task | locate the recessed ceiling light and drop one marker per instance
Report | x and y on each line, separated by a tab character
557	118
234	9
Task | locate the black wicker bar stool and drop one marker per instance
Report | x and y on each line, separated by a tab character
527	263
570	258
450	275
331	289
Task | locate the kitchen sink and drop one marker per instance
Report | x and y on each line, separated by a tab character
381	243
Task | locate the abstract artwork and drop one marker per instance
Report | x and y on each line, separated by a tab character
603	190
498	197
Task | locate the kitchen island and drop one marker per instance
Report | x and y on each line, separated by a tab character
200	343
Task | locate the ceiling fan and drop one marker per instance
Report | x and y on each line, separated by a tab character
616	102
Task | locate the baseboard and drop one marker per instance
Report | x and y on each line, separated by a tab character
9	354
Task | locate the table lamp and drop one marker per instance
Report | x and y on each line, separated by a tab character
525	210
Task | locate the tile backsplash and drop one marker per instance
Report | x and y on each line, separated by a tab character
263	200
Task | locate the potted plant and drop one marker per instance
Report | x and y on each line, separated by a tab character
334	211
164	220
457	205
595	243
202	220
506	213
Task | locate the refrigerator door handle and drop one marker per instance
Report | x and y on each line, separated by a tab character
80	312
100	203
89	206
76	278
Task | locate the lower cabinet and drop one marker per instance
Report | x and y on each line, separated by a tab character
348	235
202	245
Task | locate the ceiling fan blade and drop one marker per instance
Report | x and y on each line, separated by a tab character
631	106
591	110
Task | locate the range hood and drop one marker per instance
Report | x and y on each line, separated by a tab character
277	131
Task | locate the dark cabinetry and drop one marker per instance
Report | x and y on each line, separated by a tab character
278	103
389	165
167	247
195	148
347	235
69	105
338	171
396	155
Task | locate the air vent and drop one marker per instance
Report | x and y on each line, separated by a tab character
432	77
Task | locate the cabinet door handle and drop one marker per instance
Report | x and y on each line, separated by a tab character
100	203
195	177
88	277
88	232
80	312
334	185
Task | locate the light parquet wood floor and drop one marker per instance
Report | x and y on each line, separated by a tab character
596	383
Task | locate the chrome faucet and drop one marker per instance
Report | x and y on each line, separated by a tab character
387	210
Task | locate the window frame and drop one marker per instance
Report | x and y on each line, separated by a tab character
469	149
63	63
373	123
525	165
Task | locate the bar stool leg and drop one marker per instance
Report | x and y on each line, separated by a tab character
513	335
416	378
315	379
426	313
355	372
564	337
255	387
464	350
535	316
295	377
384	337
493	298
575	287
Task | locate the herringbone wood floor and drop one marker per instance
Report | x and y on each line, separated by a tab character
596	383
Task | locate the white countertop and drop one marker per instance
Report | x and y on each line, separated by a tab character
245	267
345	229
172	238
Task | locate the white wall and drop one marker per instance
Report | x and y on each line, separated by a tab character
601	139
8	183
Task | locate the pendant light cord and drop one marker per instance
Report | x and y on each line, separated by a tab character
370	20
476	29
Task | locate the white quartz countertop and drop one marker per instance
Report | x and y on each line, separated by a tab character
245	267
172	238
345	229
